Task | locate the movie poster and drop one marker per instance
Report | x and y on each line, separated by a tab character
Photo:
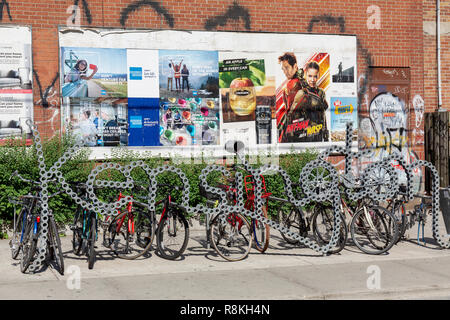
97	121
93	72
16	94
302	109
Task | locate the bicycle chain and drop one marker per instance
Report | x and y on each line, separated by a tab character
329	189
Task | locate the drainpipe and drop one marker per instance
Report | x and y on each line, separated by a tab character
438	33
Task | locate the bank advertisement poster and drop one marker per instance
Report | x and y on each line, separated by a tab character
190	121
16	93
97	121
93	72
185	73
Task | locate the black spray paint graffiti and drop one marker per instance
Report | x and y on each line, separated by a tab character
234	12
340	21
2	5
87	12
45	95
155	5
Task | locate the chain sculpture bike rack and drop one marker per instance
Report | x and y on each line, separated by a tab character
319	182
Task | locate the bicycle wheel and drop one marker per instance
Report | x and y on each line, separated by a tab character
29	244
370	231
77	229
55	247
15	242
91	240
172	235
400	218
323	227
261	232
231	236
295	223
134	237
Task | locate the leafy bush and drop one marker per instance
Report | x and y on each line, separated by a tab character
15	155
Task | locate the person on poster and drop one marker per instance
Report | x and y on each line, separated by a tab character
79	71
87	129
287	90
170	78
300	103
177	74
185	76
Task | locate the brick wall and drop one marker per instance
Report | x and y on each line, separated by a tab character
399	42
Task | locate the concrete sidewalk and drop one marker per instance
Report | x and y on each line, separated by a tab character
283	272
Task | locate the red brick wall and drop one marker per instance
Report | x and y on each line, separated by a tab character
399	41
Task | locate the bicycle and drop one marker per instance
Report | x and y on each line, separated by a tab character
295	219
130	234
27	228
229	233
419	214
85	231
370	227
172	233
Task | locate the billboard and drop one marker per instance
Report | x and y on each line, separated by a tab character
201	88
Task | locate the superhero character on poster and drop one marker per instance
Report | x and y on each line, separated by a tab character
301	104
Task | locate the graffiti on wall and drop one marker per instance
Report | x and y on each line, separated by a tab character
4	4
234	12
144	3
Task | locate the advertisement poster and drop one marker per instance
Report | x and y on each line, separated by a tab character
247	86
143	73
301	102
143	122
343	110
184	74
191	121
16	94
99	121
93	72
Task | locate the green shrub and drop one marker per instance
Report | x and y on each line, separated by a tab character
15	155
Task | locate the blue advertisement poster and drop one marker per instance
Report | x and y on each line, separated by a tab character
143	122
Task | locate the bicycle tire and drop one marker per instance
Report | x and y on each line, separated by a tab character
55	246
261	232
324	217
234	224
136	243
29	244
91	240
371	233
295	223
15	243
401	220
172	235
77	232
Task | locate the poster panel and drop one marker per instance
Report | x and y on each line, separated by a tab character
247	87
301	102
93	72
16	94
343	110
97	121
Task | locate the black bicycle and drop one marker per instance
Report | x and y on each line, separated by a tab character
27	228
85	231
